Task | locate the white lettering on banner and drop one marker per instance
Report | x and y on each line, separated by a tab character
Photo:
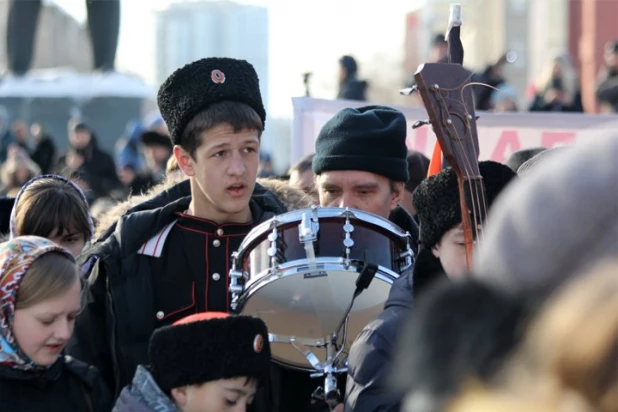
500	134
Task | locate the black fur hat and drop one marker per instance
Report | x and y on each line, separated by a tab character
436	199
152	138
197	351
194	87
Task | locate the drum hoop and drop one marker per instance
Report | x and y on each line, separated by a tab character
323	212
268	276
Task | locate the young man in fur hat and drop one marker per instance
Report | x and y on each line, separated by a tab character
170	257
207	362
441	251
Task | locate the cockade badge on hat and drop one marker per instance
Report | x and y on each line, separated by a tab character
258	343
217	76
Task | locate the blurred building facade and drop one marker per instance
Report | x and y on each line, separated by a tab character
188	31
61	41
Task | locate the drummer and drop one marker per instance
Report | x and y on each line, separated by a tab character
360	162
166	262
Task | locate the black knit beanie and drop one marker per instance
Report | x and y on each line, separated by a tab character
209	350
436	199
194	87
370	139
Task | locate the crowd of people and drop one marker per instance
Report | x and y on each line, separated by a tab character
125	305
557	89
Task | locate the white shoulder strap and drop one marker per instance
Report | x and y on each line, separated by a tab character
155	244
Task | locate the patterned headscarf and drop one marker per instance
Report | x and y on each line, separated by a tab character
13	234
16	256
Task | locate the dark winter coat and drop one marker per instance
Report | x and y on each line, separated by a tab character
69	385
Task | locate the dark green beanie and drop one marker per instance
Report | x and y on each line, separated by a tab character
370	139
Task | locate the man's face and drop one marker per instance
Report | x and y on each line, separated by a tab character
303	181
358	190
451	250
21	131
222	172
80	139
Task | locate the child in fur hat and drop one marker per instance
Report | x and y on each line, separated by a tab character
442	249
207	362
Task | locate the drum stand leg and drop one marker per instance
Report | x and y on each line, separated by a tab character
329	393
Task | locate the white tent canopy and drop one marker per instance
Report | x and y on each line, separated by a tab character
61	83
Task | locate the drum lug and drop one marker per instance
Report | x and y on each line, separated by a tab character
236	286
273	249
309	226
348	242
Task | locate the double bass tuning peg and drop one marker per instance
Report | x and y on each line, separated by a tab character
408	91
420	123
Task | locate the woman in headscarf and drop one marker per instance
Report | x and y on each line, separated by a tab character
40	296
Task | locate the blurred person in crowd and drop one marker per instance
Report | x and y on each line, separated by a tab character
607	86
439	49
493	76
206	362
132	180
6	137
567	361
86	160
418	164
557	89
16	171
441	254
518	158
127	148
20	130
538	210
45	149
156	123
572	347
438	53
459	330
55	208
504	99
40	291
157	149
266	165
350	88
301	176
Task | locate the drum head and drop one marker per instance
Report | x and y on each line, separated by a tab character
300	303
